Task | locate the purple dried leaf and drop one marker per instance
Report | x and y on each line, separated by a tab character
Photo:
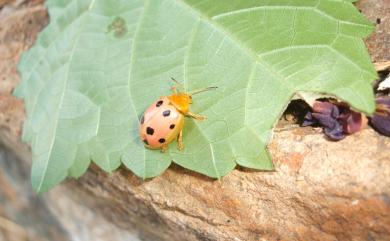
381	119
324	108
353	121
326	120
337	119
309	120
336	133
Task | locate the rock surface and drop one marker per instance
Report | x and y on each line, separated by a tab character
377	11
320	190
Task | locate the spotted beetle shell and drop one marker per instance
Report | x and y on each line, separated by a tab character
160	124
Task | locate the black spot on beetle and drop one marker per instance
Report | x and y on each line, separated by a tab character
172	126
146	142
166	113
142	119
162	140
378	21
149	130
159	103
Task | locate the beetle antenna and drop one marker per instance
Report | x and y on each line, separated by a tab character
202	90
178	83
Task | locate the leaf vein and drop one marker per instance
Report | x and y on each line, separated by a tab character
61	100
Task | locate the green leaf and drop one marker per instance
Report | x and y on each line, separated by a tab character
100	63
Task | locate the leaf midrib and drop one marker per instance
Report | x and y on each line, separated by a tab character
132	57
54	40
56	119
44	54
235	41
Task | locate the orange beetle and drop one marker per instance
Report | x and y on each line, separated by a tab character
163	121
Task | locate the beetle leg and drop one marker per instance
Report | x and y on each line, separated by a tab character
164	148
196	117
180	144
